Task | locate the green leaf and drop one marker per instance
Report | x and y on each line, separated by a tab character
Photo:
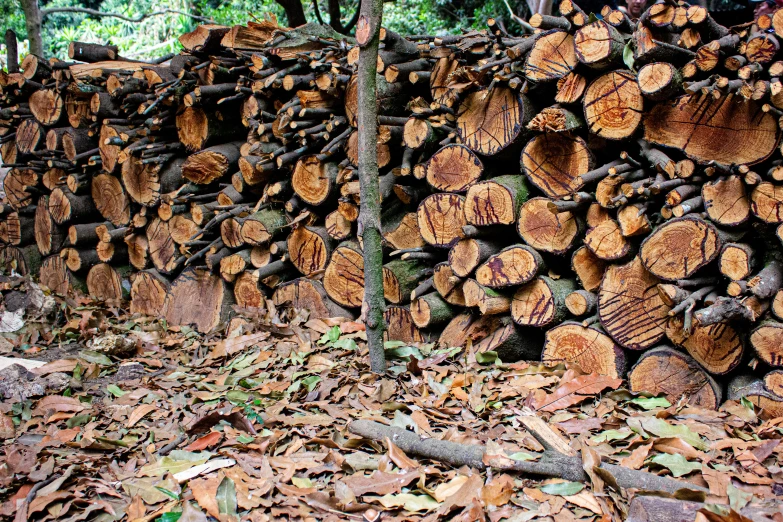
628	55
345	344
403	351
78	420
488	357
738	499
521	456
331	336
409	502
311	382
610	435
171	516
245	439
661	428
564	489
226	498
174	462
237	397
650	403
303	483
95	358
749	405
167	492
115	390
592	18
676	463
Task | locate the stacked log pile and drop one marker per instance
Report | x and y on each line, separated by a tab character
608	189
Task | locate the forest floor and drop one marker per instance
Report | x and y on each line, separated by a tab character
166	424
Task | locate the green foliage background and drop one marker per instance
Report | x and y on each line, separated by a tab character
157	35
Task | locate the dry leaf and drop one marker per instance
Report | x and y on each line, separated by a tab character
575	391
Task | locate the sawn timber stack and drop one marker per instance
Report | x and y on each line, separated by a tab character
607	192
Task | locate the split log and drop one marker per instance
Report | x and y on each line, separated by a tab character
197	297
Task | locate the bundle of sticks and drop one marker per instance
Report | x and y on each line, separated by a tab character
607	189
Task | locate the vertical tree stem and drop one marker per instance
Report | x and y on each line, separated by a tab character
367	35
12	54
32	19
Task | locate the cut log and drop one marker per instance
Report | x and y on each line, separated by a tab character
674	374
467	327
747	135
441	217
487	300
766	202
448	285
55	276
726	201
599	45
581	302
607	242
630	307
555	162
468	253
588	347
431	310
19	186
544	230
659	81
541	302
514	265
401	230
613	105
198	128
49	236
162	249
211	164
65	206
718	347
490	121
198	297
309	249
146	183
553	56
47	107
104	283
588	268
400	277
510	342
314	180
766	342
400	326
680	247
306	294
495	202
260	227
344	277
453	169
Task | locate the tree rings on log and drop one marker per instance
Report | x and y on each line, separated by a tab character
104	283
49	237
552	57
545	230
677	376
541	302
148	293
198	297
630	307
211	164
766	202
403	232
54	275
430	310
453	169
110	199
745	134
767	342
467	327
314	180
490	120
717	347
598	45
309	249
17	185
306	294
344	277
441	217
554	162
726	201
613	105
680	247
47	106
659	80
514	265
400	326
607	242
588	347
496	201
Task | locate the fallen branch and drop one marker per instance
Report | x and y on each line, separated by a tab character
551	463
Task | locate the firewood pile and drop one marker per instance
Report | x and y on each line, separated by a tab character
607	189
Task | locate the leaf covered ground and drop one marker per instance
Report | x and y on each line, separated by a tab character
165	424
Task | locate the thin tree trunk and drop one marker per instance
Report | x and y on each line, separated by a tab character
367	36
12	53
33	21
